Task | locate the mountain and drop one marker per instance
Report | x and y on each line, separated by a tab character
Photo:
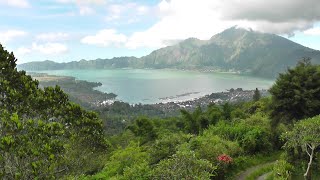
117	62
234	49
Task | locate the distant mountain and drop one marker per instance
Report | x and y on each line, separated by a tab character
117	62
234	49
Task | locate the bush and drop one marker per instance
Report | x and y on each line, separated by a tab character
167	146
184	165
131	157
281	170
253	134
209	147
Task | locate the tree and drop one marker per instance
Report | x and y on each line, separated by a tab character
144	128
256	95
296	93
29	149
36	125
305	135
227	109
195	121
214	113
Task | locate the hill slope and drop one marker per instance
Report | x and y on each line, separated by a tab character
234	49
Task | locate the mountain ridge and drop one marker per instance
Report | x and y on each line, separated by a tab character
234	49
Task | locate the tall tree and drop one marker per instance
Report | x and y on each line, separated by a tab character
227	109
192	120
37	124
296	93
256	95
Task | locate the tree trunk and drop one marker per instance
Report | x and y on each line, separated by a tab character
307	175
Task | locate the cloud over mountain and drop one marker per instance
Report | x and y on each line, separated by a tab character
180	19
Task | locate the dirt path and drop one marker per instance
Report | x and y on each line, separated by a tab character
264	176
247	172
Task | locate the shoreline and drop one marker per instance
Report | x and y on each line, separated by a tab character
171	107
166	103
200	70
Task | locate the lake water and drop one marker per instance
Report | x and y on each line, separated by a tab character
154	86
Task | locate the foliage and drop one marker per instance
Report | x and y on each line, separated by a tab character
253	134
29	148
37	125
214	113
80	92
296	93
281	170
261	171
261	106
209	147
192	120
143	128
305	135
124	162
226	111
256	95
140	171
246	161
184	165
166	146
45	136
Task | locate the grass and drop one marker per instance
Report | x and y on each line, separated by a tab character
244	162
259	172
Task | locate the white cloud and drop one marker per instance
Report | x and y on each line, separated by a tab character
105	37
94	2
52	36
9	35
85	6
142	10
49	48
16	3
46	49
271	10
84	10
127	13
181	19
23	51
313	31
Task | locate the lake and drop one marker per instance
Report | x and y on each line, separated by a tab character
155	86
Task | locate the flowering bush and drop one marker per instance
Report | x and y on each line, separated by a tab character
224	159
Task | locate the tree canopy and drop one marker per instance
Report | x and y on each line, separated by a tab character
37	125
296	93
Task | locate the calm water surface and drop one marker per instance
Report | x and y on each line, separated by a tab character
154	86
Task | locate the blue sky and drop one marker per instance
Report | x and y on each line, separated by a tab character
68	30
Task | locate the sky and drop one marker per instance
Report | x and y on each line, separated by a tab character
71	30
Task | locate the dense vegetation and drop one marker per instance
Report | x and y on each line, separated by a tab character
234	49
45	136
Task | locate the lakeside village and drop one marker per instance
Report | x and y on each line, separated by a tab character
231	96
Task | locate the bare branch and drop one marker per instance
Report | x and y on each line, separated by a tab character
307	150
